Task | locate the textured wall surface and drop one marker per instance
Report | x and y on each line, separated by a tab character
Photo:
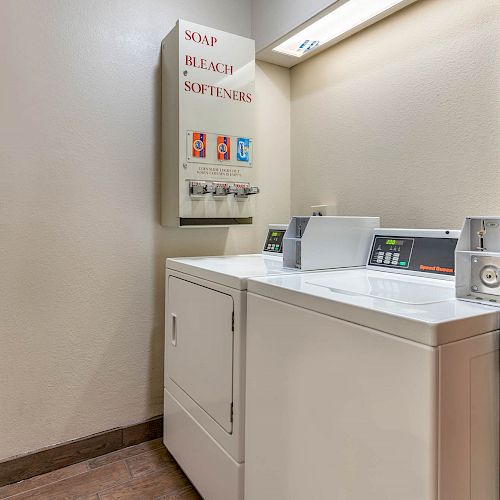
81	249
403	119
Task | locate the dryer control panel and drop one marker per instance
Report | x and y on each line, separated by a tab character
274	240
419	251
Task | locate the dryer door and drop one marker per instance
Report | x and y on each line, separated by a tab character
200	350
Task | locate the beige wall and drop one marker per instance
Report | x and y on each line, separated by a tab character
403	119
81	249
400	121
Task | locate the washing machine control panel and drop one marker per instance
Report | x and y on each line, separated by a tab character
415	254
394	252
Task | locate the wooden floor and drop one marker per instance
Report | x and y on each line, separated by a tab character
142	472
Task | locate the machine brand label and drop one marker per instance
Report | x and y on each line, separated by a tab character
437	269
243	151
223	147
199	145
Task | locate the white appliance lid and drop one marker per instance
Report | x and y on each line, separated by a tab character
386	286
420	309
230	270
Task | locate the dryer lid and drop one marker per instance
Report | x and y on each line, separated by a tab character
230	270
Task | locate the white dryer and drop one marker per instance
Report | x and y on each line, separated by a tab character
205	363
372	383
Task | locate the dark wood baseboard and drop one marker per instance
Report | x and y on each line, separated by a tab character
39	462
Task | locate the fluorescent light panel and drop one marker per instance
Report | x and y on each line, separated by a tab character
344	18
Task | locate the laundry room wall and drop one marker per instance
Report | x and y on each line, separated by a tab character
402	120
81	248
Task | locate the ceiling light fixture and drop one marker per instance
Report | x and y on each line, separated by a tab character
345	18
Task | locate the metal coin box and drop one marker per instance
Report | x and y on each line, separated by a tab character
478	261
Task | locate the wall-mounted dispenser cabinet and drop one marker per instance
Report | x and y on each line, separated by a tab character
208	79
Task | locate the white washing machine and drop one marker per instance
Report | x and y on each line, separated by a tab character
372	384
205	330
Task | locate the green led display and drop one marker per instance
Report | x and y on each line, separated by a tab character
390	242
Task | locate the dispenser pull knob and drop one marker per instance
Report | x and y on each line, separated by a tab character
221	190
245	190
200	188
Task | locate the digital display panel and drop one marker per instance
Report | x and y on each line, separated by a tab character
274	241
395	242
422	254
392	252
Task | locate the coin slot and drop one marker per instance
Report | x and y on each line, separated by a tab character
490	276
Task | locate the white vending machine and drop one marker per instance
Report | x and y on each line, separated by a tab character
207	127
